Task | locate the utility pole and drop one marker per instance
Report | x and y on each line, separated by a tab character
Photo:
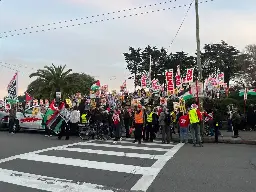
150	66
198	50
199	64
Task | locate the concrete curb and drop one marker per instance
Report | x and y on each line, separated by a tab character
226	140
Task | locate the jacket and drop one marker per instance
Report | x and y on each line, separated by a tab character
139	117
75	116
193	117
150	117
84	118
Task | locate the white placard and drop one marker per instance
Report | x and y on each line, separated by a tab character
58	94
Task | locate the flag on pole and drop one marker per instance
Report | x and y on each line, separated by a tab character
95	86
28	97
13	86
249	92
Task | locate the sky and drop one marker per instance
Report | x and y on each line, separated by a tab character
97	49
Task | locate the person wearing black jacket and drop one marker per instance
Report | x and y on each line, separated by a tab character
236	121
155	123
127	122
217	124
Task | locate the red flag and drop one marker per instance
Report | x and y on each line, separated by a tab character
97	83
28	97
52	106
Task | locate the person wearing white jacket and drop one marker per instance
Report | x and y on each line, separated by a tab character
74	119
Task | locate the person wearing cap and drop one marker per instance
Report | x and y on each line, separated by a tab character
195	128
138	124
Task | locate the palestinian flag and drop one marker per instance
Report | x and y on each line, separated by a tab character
13	87
186	94
95	86
52	118
249	92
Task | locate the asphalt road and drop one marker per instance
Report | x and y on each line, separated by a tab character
32	162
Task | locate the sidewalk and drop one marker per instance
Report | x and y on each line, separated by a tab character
245	137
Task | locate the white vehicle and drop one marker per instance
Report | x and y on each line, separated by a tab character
30	120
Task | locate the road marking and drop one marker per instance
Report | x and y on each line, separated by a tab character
149	144
155	141
114	153
124	147
48	183
146	180
38	151
91	164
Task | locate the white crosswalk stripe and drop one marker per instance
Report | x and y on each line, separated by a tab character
162	153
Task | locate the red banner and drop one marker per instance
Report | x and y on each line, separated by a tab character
189	75
169	75
169	81
178	77
143	81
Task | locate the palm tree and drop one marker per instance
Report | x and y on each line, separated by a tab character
51	79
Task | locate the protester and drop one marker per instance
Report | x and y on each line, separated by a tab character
217	124
165	121
65	127
116	122
195	128
74	119
183	124
138	124
149	136
12	119
155	122
127	122
236	121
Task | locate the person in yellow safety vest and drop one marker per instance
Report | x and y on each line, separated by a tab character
148	133
173	121
194	123
84	118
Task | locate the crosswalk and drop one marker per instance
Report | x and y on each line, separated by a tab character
96	166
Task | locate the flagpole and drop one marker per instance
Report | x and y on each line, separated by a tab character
150	62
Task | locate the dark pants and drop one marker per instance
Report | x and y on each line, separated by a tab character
11	125
127	127
166	134
149	132
216	132
235	128
111	130
74	129
47	131
229	125
117	131
65	130
138	131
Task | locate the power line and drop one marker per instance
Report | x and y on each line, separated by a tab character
103	20
186	14
88	17
18	66
8	67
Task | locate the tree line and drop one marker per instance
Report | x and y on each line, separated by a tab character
237	65
217	57
52	79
